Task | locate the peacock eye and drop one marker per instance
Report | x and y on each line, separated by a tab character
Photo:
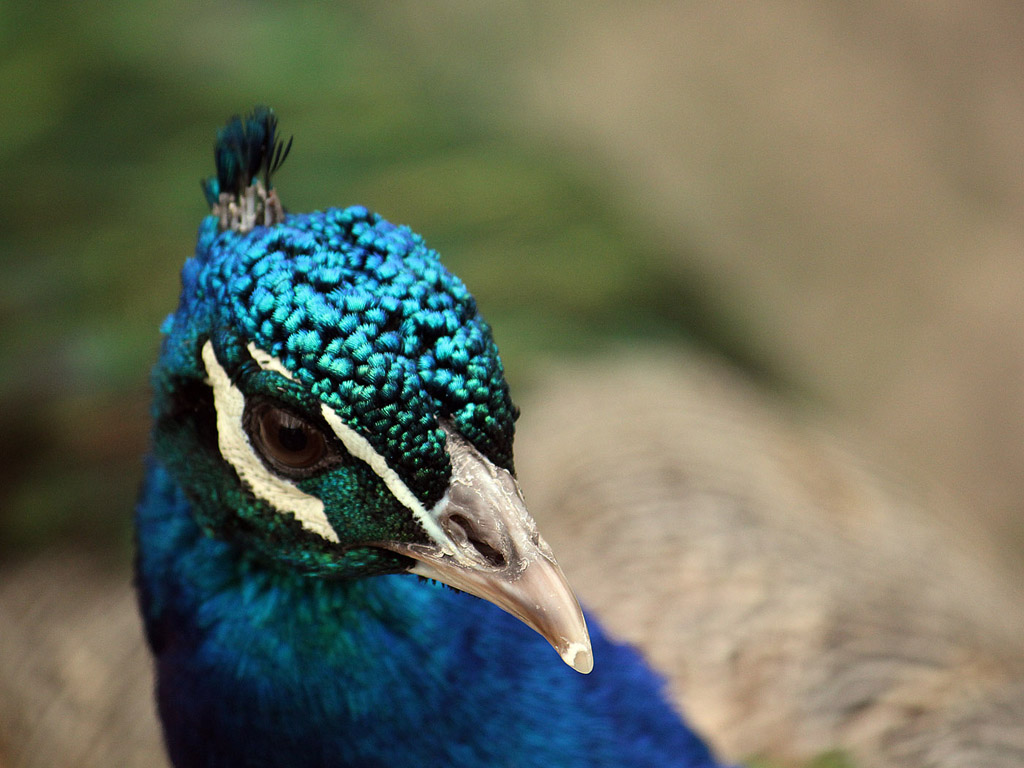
287	442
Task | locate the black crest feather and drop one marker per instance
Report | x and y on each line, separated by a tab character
247	152
249	148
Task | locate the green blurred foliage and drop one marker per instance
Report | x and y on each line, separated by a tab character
110	110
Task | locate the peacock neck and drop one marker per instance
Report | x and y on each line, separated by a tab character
260	667
252	661
263	668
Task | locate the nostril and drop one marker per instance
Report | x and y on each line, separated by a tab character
465	531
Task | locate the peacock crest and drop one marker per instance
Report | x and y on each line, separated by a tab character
247	152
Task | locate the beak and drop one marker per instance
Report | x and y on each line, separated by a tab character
491	548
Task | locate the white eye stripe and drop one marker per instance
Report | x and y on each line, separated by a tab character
268	362
360	448
229	403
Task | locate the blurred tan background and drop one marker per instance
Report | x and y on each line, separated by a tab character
825	199
833	194
847	179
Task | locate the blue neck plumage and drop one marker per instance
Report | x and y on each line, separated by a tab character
259	667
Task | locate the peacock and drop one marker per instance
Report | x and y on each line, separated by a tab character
330	492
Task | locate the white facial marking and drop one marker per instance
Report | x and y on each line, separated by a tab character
268	362
229	403
358	446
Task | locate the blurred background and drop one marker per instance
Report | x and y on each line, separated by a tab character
829	197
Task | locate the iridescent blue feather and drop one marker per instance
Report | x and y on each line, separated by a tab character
276	645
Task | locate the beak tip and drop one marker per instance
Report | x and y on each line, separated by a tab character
579	656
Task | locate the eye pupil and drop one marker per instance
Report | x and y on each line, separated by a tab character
292	439
286	441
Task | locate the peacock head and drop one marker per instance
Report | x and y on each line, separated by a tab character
331	402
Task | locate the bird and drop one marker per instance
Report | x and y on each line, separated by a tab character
335	565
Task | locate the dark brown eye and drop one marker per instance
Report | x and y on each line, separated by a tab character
286	441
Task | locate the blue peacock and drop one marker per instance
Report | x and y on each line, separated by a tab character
330	416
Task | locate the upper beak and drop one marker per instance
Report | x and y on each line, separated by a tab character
492	549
